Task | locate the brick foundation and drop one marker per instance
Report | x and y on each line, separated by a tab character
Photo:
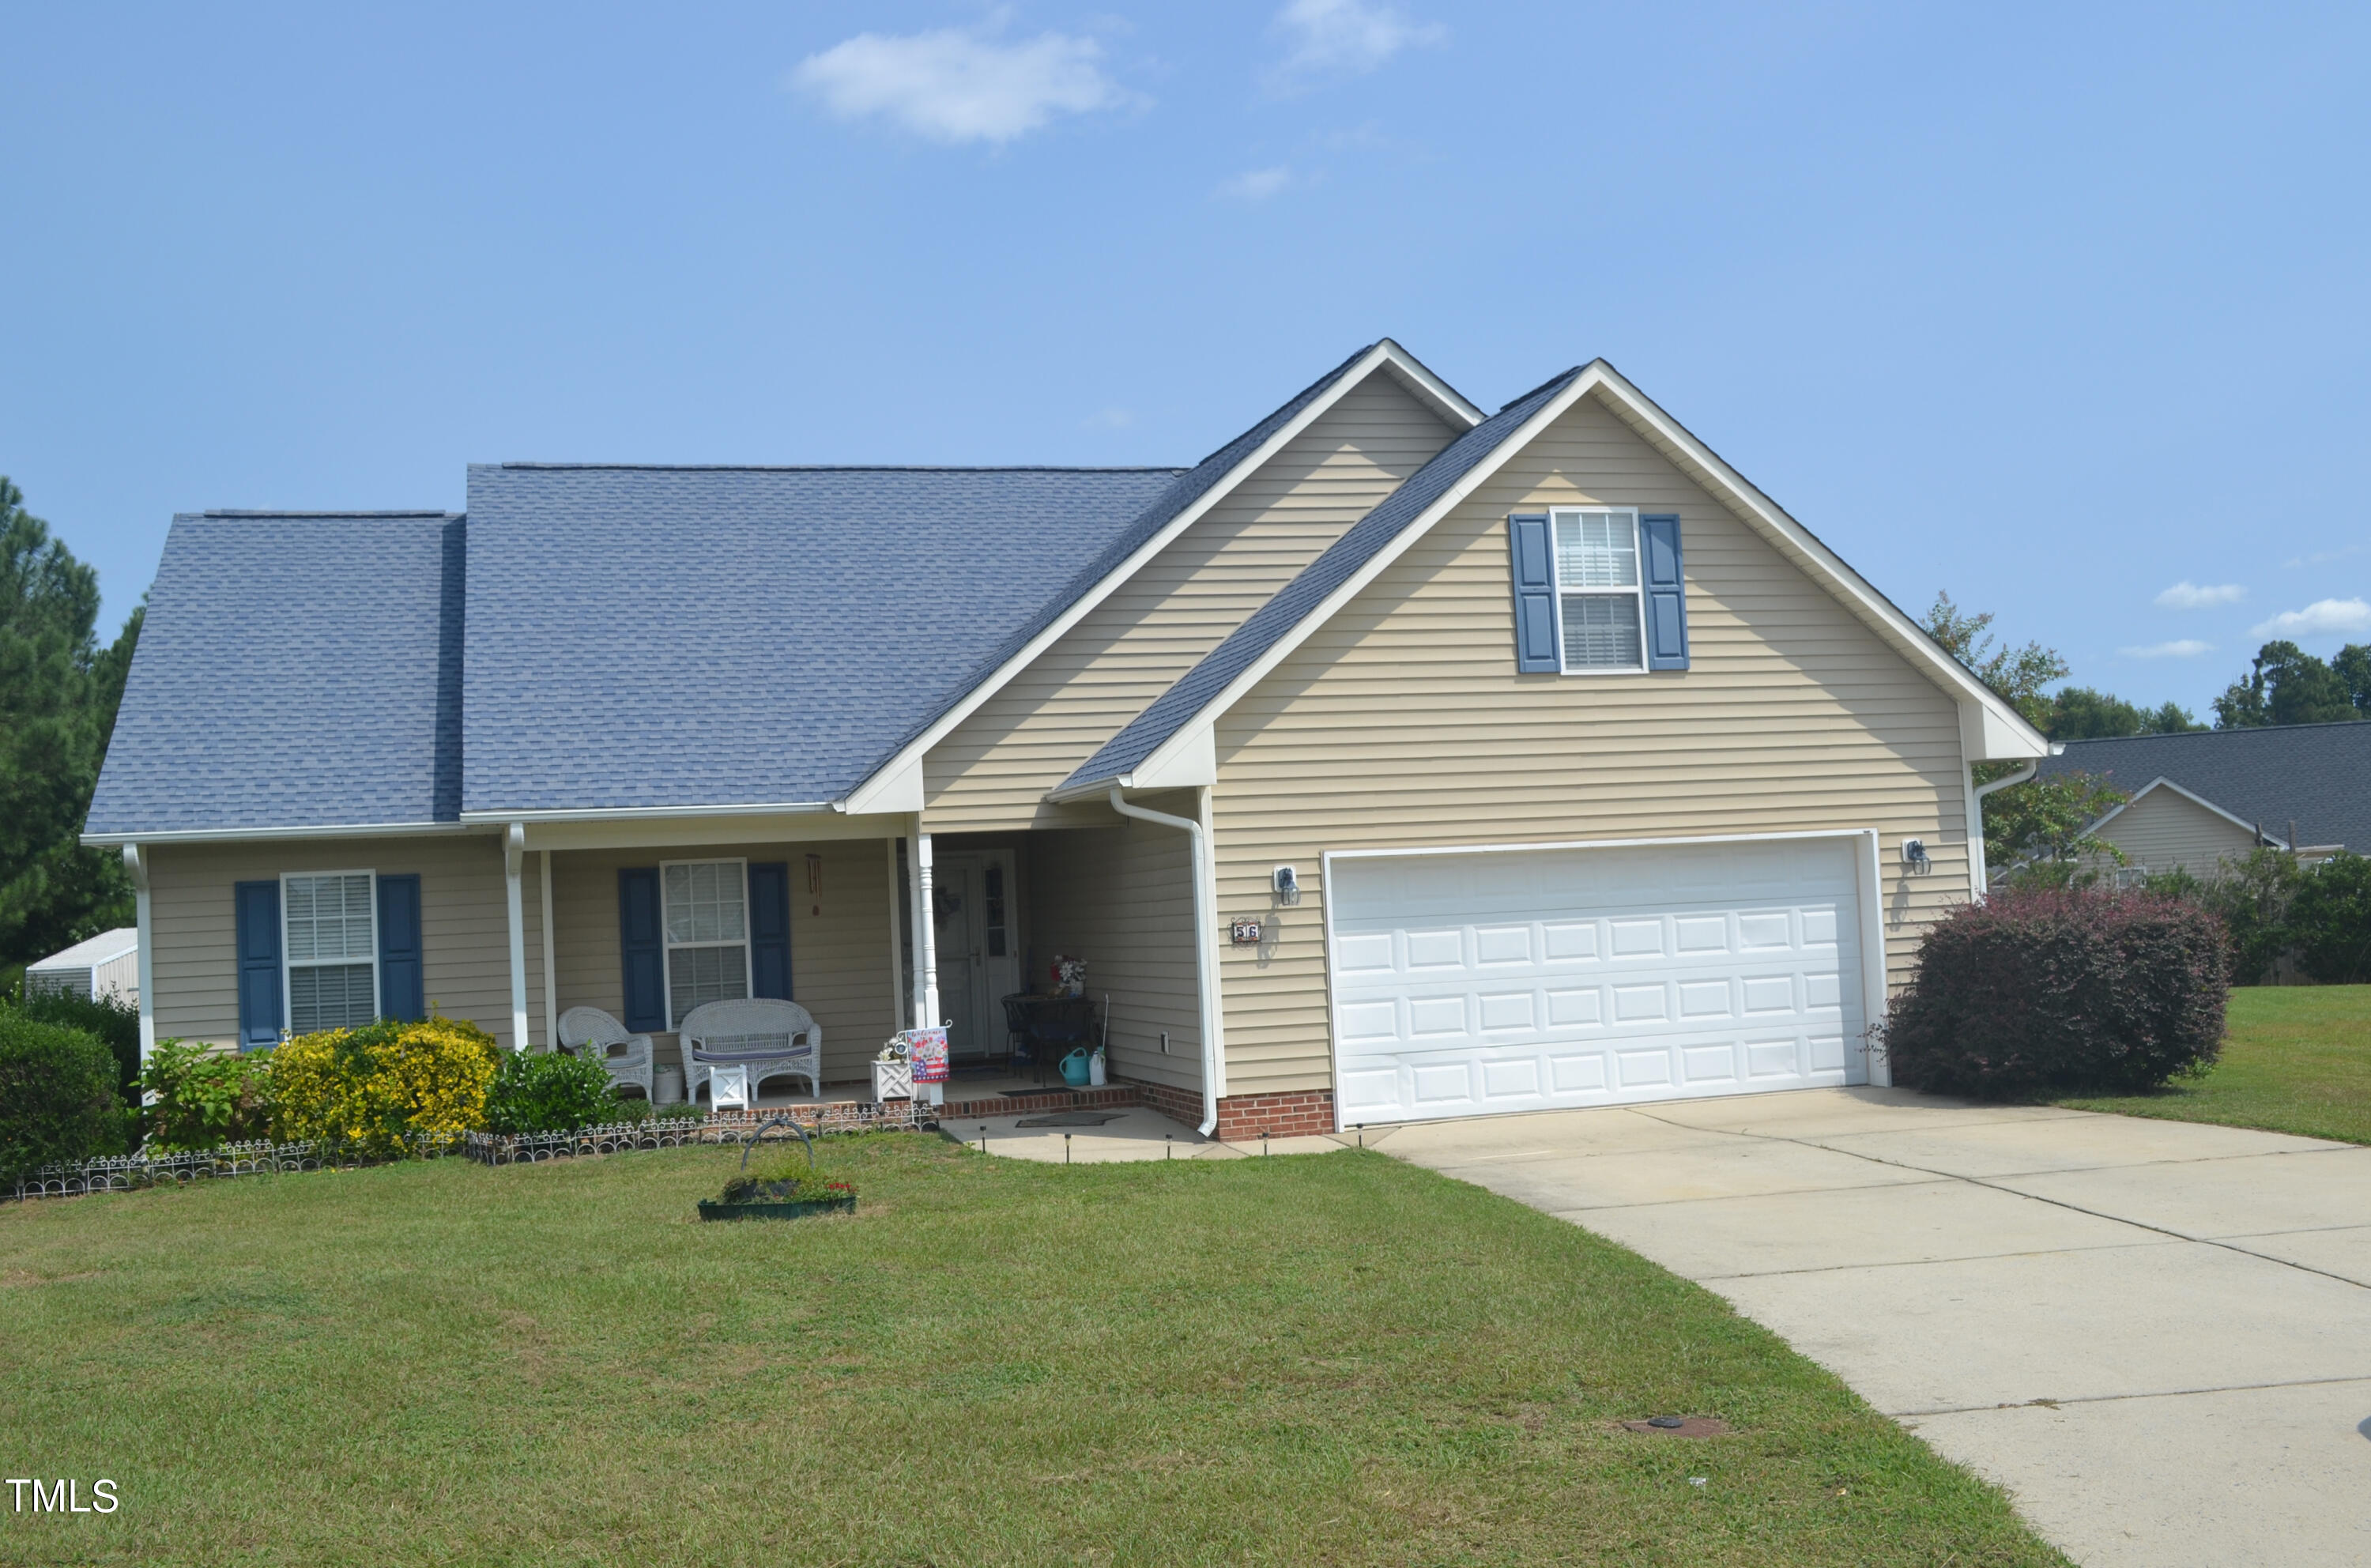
1177	1104
1243	1117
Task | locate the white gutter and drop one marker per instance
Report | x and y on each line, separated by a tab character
2023	771
1206	947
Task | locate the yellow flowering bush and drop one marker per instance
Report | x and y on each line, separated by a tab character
378	1090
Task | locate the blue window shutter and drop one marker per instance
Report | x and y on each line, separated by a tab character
1533	565
402	993
641	953
1667	592
258	903
769	930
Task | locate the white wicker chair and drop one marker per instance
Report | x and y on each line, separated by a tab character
590	1032
761	1033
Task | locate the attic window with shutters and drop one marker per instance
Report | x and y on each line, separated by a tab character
1597	590
332	951
707	921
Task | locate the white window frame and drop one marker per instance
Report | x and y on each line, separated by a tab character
668	946
1638	589
288	965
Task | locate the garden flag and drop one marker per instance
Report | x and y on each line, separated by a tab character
927	1050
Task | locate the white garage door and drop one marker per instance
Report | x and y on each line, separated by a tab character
1532	979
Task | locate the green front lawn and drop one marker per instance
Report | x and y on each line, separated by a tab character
2297	1059
1333	1359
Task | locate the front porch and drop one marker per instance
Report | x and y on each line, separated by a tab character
645	931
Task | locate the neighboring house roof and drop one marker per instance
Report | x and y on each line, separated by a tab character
295	670
91	952
2318	776
672	638
1297	600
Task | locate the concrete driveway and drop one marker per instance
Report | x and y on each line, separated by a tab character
2155	1334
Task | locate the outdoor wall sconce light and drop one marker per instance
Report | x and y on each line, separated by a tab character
1913	855
1287	885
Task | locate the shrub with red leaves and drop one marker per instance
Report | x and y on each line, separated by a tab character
2049	991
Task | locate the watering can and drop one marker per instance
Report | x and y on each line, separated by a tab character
1075	1069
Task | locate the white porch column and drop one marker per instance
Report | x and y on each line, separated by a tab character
514	852
900	1002
550	977
135	865
926	930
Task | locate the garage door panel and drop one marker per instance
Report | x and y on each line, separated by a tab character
1463	987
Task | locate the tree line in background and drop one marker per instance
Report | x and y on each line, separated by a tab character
59	689
2284	684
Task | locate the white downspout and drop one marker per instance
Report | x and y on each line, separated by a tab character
1206	954
514	853
135	865
2025	771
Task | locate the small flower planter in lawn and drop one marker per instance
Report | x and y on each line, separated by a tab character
779	1188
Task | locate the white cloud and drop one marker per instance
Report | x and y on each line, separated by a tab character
960	84
2187	595
1256	184
2187	648
1326	38
2323	618
1110	419
2324	558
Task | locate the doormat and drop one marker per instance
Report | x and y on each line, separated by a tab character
1071	1119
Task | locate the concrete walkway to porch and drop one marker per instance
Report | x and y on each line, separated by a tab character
2155	1334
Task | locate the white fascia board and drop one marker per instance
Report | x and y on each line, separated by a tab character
2006	734
1446	400
1384	354
262	835
1197	734
2254	830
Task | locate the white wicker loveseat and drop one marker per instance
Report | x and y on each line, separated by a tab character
770	1038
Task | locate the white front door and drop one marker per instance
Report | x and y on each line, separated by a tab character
978	946
1525	980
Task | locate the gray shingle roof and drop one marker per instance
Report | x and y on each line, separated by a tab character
1175	708
2316	775
714	636
295	670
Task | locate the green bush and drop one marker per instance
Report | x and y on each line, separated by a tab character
549	1092
2253	896
58	1100
206	1098
113	1019
2329	922
2047	991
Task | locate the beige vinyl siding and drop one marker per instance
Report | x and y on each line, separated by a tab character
463	926
1402	723
1122	898
2164	829
992	772
840	958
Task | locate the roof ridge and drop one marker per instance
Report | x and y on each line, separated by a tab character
274	512
2220	730
851	468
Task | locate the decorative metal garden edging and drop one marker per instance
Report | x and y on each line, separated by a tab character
128	1173
716	1127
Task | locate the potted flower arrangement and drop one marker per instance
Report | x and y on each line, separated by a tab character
779	1187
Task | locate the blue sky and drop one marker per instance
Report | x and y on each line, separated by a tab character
2060	308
